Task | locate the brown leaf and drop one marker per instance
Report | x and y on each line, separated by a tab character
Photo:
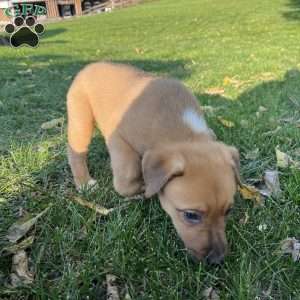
53	123
215	91
226	123
14	248
139	50
22	226
291	246
234	82
249	192
210	294
20	274
283	159
112	289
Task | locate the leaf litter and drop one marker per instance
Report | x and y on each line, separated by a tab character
249	192
291	246
22	226
283	159
211	294
14	248
215	91
53	123
225	122
112	292
20	273
93	206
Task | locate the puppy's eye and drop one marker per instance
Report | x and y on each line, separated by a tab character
192	217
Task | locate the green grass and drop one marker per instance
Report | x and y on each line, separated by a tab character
200	42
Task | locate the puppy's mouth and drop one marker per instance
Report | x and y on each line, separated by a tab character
205	256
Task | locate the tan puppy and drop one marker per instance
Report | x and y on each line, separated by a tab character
159	143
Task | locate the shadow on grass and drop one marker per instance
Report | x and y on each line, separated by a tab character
293	12
49	33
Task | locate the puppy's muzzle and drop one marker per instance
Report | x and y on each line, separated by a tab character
213	255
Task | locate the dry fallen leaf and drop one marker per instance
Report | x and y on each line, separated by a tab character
112	289
271	179
291	246
22	226
20	274
234	82
210	294
227	80
226	123
283	159
139	50
215	91
97	208
12	249
53	123
249	192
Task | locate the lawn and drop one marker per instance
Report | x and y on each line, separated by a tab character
235	56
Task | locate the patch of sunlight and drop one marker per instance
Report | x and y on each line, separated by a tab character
18	167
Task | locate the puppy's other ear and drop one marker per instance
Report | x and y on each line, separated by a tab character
235	156
159	167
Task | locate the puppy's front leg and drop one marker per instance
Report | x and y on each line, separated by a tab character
126	167
78	164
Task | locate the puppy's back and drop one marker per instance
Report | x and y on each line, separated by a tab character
109	89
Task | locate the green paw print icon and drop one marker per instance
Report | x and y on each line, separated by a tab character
24	32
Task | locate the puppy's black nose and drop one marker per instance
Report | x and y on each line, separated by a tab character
216	254
215	259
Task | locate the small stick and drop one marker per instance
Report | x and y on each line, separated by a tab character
97	208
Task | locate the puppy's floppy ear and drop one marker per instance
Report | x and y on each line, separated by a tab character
235	157
159	167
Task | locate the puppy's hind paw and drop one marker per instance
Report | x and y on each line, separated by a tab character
90	186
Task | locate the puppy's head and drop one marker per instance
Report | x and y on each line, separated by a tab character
196	184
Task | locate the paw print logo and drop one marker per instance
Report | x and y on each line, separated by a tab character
24	32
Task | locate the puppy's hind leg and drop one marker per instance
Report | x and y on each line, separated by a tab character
80	130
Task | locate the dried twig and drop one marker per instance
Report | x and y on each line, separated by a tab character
97	208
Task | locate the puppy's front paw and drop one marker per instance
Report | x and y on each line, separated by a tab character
91	185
